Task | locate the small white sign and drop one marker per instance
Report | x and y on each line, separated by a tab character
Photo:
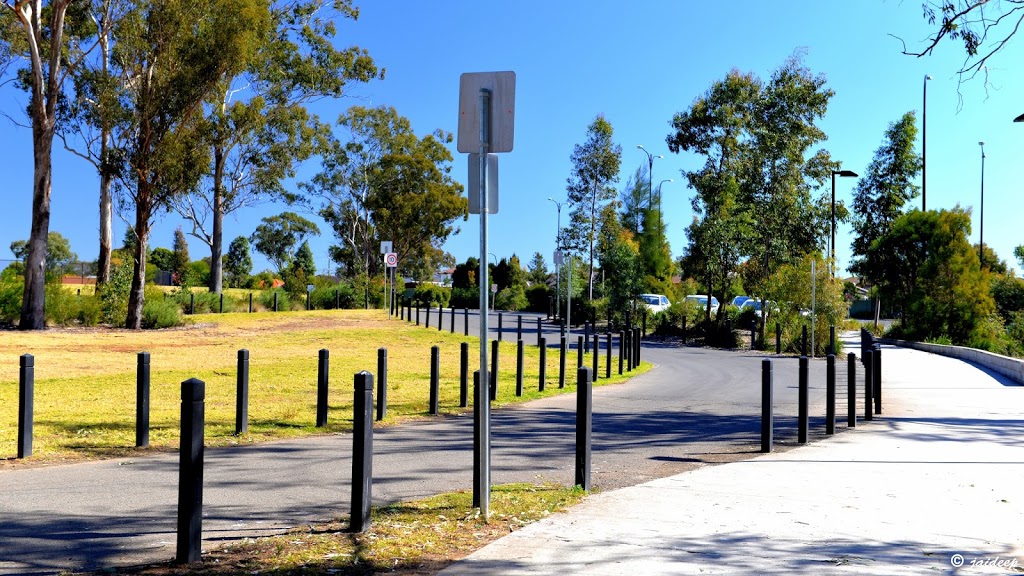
385	247
494	288
391	260
309	287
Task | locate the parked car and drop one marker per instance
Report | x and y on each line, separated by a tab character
739	300
755	305
656	302
702	302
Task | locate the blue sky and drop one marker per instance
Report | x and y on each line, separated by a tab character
638	64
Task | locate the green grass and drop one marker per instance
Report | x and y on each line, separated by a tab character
85	378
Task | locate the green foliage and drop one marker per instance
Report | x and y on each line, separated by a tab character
161	258
881	194
277	236
238	263
304	261
1018	253
1008	295
159	313
791	287
180	260
61	305
537	272
432	295
114	293
537	297
266	299
465	274
328	297
90	310
512	298
59	256
11	292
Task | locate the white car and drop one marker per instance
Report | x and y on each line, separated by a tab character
755	304
702	302
656	302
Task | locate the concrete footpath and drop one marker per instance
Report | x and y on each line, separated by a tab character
935	485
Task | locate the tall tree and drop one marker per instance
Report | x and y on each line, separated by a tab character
238	263
620	260
277	235
257	127
886	187
385	183
537	272
181	259
59	255
38	34
595	169
633	199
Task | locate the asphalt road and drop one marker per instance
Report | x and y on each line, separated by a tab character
697	407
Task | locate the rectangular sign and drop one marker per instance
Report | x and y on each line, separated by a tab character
474	184
385	246
503	110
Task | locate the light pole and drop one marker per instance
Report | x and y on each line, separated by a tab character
659	201
924	144
558	268
843	174
650	174
981	232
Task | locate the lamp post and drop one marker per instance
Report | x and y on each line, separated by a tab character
659	200
842	174
924	144
981	232
650	174
558	269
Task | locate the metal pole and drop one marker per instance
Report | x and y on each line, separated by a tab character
832	253
482	404
981	235
924	144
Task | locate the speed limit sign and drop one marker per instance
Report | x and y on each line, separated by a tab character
391	260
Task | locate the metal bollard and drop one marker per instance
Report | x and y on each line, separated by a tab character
802	409
830	394
417	315
586	337
440	317
275	301
142	400
435	372
778	338
222	303
362	452
753	334
242	393
190	472
803	342
453	320
539	338
629	349
636	355
500	326
767	414
851	390
543	362
622	340
308	307
464	375
382	383
26	404
877	380
426	322
465	321
608	355
561	362
191	303
519	327
250	302
323	368
832	339
595	359
519	367
493	376
584	426
869	387
579	352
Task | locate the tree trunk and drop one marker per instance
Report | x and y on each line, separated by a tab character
216	283
106	228
33	303
137	295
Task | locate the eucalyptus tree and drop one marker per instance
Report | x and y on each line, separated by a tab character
257	128
888	184
277	236
590	186
169	57
633	199
44	36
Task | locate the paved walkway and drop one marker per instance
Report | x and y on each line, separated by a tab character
933	486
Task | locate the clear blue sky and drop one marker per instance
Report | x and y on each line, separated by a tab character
638	64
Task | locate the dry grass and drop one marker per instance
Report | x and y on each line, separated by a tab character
85	378
407	538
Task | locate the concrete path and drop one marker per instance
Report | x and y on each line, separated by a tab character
933	486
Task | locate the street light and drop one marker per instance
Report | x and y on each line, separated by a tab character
659	200
558	269
650	174
842	174
981	232
924	144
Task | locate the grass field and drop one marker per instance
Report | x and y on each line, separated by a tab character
85	378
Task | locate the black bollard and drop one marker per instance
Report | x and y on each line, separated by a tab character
803	342
595	359
275	301
26	400
643	325
802	408
322	372
242	393
464	375
382	383
435	375
684	329
561	325
417	315
440	318
308	307
362	453
250	302
579	352
608	355
519	367
222	303
636	355
191	303
478	475
830	394
869	387
190	472
561	362
767	414
539	338
832	339
877	380
519	327
465	321
543	363
500	328
584	426
629	349
142	400
851	390
337	299
493	376
453	320
586	337
426	323
778	338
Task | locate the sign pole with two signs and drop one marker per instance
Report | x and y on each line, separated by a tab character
483	134
386	249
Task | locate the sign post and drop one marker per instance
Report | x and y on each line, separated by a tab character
482	133
385	248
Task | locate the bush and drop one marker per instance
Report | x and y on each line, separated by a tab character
114	293
537	297
11	293
159	313
90	310
266	299
512	298
465	297
432	295
61	307
324	298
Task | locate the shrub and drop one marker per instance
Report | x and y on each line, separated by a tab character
324	298
159	313
61	307
537	297
512	298
114	293
90	310
266	299
11	293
